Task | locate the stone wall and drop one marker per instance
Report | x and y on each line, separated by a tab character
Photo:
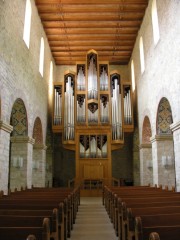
162	73
19	72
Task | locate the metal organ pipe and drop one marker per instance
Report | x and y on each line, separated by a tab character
80	80
93	147
116	112
104	108
104	81
81	111
127	108
93	115
69	111
57	107
92	81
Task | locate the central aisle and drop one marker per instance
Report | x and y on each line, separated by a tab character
92	222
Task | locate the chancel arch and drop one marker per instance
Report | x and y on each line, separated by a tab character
39	156
146	163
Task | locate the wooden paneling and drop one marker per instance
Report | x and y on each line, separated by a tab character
107	26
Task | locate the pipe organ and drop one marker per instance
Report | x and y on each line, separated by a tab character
92	110
57	105
127	104
69	108
116	106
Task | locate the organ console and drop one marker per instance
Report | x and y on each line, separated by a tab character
92	110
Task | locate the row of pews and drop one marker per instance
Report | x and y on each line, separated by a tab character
38	213
143	212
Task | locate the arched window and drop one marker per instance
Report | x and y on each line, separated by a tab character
141	51
51	79
27	23
41	57
132	75
155	24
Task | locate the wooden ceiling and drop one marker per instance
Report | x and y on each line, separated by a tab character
75	26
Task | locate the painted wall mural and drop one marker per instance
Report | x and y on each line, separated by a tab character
164	117
19	118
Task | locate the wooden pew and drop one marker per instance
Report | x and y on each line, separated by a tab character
21	218
50	196
31	237
38	205
47	198
164	224
21	233
129	227
149	201
112	205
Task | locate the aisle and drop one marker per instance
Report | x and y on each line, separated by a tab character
92	222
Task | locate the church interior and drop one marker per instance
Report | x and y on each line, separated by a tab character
89	105
89	93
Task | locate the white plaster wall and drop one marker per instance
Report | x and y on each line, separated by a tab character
19	68
161	77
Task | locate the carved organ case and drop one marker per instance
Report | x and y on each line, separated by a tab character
92	109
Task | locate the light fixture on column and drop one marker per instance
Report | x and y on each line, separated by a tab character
149	164
35	165
17	162
167	161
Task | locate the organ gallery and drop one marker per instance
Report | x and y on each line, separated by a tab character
92	108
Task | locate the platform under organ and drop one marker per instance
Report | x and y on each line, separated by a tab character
92	109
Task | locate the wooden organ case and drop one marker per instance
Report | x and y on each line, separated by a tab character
93	110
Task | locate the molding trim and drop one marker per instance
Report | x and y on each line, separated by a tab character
175	126
145	145
5	127
22	139
40	146
156	138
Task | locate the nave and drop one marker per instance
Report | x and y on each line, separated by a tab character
92	221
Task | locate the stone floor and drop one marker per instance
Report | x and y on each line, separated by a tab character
92	222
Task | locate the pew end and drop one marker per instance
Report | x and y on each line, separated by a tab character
154	236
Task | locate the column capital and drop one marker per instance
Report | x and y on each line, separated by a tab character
145	145
40	146
156	138
22	139
175	126
6	127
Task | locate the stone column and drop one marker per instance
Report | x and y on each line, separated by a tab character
5	130
146	169
39	165
21	162
175	127
162	145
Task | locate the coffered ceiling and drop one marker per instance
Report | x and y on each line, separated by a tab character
75	26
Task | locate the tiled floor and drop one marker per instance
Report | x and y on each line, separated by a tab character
92	222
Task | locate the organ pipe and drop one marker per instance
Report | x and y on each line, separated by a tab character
97	147
116	111
69	110
81	109
57	106
104	109
104	80
80	79
92	113
127	106
93	145
92	80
